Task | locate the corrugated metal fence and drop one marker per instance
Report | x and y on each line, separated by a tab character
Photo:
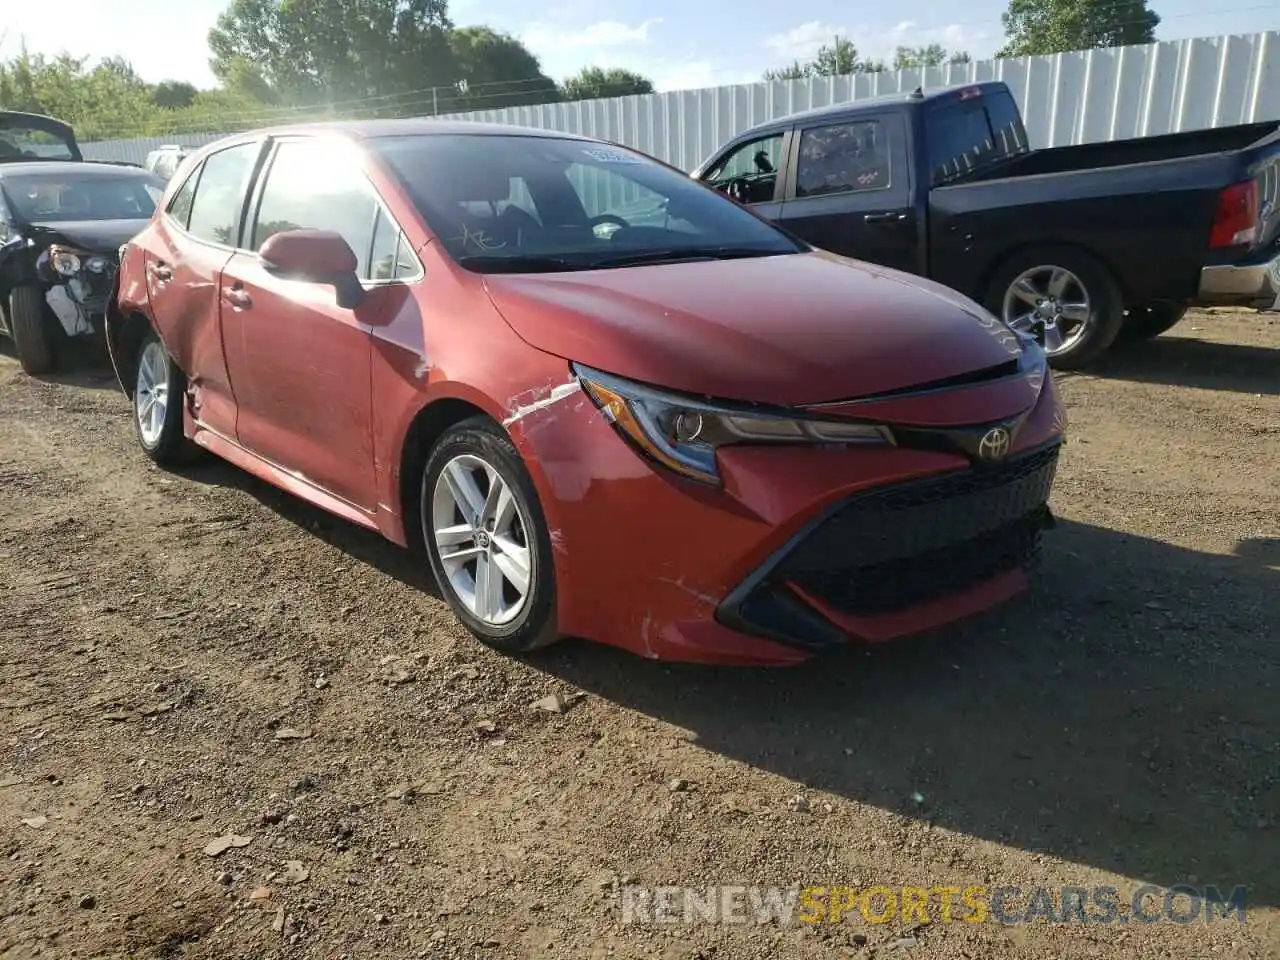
1065	98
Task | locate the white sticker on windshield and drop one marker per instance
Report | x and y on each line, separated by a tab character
610	156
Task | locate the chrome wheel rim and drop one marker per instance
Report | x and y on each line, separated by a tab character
151	396
1054	296
482	539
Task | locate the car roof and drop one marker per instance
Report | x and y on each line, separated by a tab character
836	111
407	127
78	168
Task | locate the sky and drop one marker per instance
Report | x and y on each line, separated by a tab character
679	45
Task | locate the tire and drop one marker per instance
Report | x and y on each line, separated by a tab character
478	450
1144	323
159	390
1090	285
29	328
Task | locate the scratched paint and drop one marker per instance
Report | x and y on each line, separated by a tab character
553	396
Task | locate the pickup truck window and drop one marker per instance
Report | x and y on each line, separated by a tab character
964	136
843	158
756	163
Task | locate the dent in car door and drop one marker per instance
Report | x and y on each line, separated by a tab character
184	255
302	365
848	190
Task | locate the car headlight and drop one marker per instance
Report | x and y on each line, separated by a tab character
683	433
64	261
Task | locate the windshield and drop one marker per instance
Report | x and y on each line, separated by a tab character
28	143
547	204
45	198
966	135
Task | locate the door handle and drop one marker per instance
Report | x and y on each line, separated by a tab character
237	296
162	272
897	217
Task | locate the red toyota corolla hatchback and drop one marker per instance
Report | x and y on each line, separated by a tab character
607	401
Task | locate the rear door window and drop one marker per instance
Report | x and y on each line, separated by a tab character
843	158
219	197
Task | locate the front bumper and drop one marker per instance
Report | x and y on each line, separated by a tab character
901	557
674	570
1249	285
80	302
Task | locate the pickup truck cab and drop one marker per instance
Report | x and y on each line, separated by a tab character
1075	244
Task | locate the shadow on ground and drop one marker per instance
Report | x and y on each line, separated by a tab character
358	543
1204	364
85	365
1122	715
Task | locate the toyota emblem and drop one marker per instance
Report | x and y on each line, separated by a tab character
994	444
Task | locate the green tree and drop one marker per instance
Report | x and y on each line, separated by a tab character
594	83
933	55
499	71
380	55
1053	26
173	94
835	59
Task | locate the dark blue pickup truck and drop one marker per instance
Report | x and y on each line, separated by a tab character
1079	244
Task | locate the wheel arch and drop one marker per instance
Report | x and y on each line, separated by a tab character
999	260
125	331
426	427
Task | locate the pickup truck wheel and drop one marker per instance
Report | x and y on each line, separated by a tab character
1143	323
29	327
1070	293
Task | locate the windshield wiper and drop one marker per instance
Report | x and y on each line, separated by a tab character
489	263
681	254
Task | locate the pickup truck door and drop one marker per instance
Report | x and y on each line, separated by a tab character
847	189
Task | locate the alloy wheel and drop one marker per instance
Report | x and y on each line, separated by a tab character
481	535
151	396
1053	296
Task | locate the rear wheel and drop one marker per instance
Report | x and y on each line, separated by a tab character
1068	291
158	392
29	327
1143	323
487	538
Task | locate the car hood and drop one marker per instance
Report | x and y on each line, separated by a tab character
92	236
789	330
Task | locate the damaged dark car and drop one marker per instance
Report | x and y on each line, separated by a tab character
62	224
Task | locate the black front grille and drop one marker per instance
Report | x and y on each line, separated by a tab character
902	545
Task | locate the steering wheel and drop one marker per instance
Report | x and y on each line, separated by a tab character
603	218
736	188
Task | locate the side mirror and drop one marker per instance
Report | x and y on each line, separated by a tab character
319	256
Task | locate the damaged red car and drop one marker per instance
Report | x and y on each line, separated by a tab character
602	399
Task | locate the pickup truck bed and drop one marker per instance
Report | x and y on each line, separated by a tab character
1078	244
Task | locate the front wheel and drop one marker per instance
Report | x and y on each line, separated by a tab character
1067	291
487	539
1143	323
29	327
157	402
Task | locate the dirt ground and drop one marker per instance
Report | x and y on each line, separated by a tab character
189	657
